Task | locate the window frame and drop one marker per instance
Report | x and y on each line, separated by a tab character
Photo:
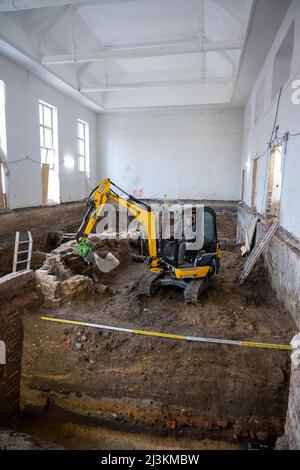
43	128
83	157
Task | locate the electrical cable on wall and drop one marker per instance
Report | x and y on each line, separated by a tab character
35	161
275	129
283	141
276	116
31	160
293	135
278	140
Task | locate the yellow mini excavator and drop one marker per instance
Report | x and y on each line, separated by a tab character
168	260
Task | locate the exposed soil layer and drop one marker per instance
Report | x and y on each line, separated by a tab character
167	387
76	436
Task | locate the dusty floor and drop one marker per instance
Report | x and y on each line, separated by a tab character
83	378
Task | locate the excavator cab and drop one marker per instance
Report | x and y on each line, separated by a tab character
183	267
176	252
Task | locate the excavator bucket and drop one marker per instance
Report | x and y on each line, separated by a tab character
106	264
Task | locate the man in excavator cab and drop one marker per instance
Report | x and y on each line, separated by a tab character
186	261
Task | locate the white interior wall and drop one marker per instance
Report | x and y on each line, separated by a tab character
173	155
256	135
23	92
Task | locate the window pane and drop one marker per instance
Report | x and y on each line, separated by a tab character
47	116
43	155
209	228
48	138
48	157
51	158
42	136
81	147
41	113
87	164
81	130
81	163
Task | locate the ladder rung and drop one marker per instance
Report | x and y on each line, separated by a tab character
22	252
24	241
23	261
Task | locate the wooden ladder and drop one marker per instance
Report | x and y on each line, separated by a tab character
27	251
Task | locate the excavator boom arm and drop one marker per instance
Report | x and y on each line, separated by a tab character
141	211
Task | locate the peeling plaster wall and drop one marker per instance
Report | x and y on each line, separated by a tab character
23	92
173	155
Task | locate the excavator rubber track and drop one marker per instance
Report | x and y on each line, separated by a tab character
194	289
148	285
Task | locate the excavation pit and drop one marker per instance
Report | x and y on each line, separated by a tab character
94	383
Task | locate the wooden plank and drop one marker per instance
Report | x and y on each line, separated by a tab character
45	183
249	236
251	261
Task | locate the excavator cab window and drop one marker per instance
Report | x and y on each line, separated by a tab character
167	245
210	229
174	252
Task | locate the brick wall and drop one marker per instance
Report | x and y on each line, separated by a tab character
17	295
11	332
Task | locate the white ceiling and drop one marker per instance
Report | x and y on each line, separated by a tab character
124	54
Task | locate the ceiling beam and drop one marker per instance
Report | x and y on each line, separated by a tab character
163	83
19	5
28	63
226	7
143	50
